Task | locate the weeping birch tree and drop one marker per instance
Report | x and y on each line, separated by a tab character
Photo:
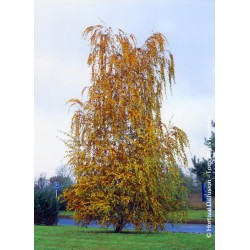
123	156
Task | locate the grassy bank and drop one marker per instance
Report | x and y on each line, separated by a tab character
65	213
198	216
68	237
193	216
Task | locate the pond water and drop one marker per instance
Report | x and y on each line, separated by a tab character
181	228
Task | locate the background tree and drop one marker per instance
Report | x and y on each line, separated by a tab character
64	171
41	182
189	182
46	207
201	166
45	204
124	158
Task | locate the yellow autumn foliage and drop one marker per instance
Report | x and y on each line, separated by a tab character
124	157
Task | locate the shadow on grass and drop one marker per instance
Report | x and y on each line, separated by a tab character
107	231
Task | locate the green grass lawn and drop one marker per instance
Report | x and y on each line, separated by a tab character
69	237
193	215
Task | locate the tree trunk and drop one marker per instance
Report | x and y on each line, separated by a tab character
120	226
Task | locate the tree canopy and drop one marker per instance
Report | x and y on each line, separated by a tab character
123	156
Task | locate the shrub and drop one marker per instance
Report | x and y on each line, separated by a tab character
46	207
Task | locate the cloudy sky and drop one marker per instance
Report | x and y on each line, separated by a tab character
61	71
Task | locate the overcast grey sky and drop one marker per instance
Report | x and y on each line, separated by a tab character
61	71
